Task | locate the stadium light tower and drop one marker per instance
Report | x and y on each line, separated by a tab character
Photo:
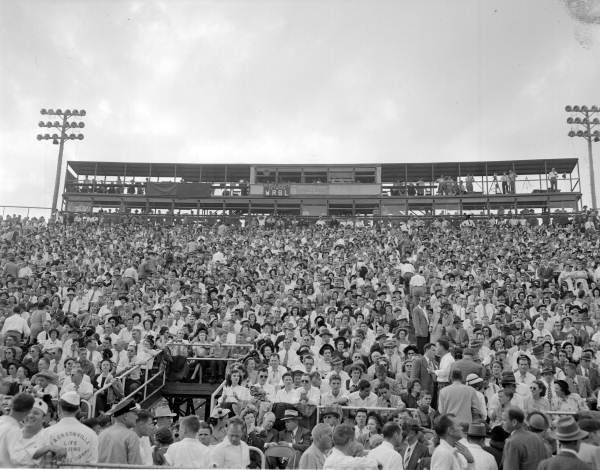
63	126
587	125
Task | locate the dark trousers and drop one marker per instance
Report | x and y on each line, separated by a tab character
421	342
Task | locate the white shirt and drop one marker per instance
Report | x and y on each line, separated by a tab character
282	396
9	426
226	455
146	451
338	460
22	449
313	396
386	456
80	441
16	323
482	460
446	457
443	373
188	453
84	389
354	399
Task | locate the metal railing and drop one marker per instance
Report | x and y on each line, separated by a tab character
26	211
213	396
123	377
210	346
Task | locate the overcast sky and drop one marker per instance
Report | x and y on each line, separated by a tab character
293	81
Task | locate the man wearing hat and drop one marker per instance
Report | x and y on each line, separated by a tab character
332	416
476	435
467	364
163	416
293	435
589	369
119	444
569	437
80	441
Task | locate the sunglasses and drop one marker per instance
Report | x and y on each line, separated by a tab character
262	376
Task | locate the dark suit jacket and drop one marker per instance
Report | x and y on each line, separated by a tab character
593	375
419	371
582	387
523	450
420	322
467	366
419	453
301	441
564	461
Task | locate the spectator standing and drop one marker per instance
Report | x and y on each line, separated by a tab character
569	436
189	452
385	454
347	454
21	406
476	435
314	457
80	442
553	178
119	444
414	451
523	450
232	452
450	454
460	400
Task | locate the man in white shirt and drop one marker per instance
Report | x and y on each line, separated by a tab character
232	452
344	454
189	452
126	334
288	394
450	454
17	323
385	453
78	384
446	361
476	440
363	398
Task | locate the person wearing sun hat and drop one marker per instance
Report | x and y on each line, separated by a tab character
119	444
569	436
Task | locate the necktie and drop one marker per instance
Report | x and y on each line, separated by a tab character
90	356
286	357
407	456
550	392
69	307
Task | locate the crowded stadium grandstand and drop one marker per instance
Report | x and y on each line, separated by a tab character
401	316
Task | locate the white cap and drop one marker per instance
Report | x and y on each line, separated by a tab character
40	404
72	398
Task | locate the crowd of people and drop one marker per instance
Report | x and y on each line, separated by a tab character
417	343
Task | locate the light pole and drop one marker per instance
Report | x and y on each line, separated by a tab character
59	139
586	121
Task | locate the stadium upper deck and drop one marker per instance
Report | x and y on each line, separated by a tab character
314	190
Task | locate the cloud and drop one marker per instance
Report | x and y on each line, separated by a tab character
263	81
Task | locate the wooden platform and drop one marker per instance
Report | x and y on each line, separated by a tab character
193	395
